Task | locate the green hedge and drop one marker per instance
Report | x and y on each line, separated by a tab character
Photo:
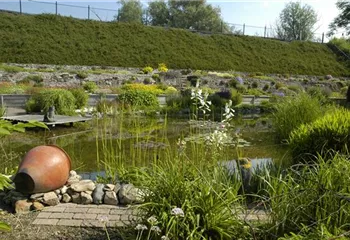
328	133
54	39
138	98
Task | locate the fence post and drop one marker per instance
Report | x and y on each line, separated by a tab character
56	9
243	28
265	31
88	12
20	6
322	37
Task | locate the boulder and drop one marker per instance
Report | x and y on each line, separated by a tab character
117	187
85	198
66	198
63	189
76	198
129	194
51	199
110	198
109	187
22	206
36	196
98	194
37	206
83	185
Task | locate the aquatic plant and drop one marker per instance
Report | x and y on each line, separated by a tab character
327	133
291	112
310	198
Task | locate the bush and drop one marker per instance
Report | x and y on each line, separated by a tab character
255	84
138	98
90	87
266	87
278	85
147	81
162	67
291	112
82	75
154	89
156	77
81	97
330	132
31	78
233	83
63	100
147	70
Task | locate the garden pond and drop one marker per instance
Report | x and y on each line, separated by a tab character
139	140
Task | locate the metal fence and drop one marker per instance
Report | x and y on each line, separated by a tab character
83	11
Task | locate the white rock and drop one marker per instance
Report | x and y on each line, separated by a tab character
66	198
86	198
63	189
83	185
129	194
51	199
110	198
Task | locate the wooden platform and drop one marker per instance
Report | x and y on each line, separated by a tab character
60	119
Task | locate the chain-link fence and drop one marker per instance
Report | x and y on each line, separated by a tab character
104	13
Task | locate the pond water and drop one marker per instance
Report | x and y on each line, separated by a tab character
137	137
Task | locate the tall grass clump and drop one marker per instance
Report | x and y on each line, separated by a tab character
81	97
62	99
330	132
291	112
311	199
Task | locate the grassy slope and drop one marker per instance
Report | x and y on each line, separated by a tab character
60	40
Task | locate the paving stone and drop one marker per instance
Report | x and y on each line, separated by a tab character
76	210
62	215
115	224
99	211
110	217
45	221
124	217
70	222
85	206
117	212
54	209
92	223
108	206
85	216
44	215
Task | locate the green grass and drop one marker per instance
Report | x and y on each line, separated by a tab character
62	40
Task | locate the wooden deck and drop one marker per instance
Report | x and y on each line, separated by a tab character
59	119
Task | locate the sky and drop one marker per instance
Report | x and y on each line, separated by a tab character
254	14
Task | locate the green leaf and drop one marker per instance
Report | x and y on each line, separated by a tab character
3	131
4	227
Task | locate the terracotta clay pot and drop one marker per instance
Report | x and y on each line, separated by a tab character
43	169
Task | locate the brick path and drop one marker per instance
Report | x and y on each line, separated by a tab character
70	214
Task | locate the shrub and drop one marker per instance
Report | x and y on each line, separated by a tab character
154	89
233	83
279	85
255	84
156	77
63	100
162	67
147	70
193	80
90	87
295	88
138	98
170	90
31	78
266	87
241	88
82	75
81	97
330	132
147	81
291	112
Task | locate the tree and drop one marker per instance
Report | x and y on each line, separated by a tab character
194	15
296	22
343	20
131	11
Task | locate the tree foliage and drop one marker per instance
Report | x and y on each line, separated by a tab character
296	22
194	15
343	19
131	11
